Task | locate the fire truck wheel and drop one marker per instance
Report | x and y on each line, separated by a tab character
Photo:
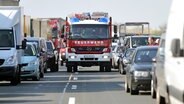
75	68
101	68
69	68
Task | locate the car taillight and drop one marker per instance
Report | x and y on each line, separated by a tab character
71	50
62	50
106	50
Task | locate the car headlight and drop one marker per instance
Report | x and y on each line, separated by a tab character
33	63
11	60
141	74
105	57
72	57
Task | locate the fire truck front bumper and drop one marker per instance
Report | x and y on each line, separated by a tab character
89	59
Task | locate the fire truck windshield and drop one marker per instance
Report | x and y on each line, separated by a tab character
89	31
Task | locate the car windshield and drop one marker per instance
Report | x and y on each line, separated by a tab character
6	38
29	51
35	42
139	41
87	31
145	55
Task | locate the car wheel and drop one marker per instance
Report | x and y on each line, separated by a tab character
41	75
107	68
36	78
17	79
133	92
101	68
153	92
75	68
120	68
61	63
127	89
159	99
56	68
69	68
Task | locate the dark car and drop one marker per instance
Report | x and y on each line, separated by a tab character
42	50
123	59
52	57
138	76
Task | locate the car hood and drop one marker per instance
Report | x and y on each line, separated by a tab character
143	66
28	59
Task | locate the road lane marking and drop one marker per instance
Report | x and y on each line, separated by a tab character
75	78
71	100
64	90
74	87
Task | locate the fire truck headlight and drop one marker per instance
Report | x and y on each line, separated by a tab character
72	57
105	57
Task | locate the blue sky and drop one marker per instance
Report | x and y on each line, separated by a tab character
153	11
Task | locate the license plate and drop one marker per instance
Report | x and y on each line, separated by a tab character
89	56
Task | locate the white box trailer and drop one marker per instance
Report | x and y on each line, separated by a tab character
11	43
174	53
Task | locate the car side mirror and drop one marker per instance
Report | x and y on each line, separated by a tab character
127	61
24	42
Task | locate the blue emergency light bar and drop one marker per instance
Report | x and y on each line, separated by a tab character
74	19
103	20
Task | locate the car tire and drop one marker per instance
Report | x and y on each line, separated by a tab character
153	92
41	75
102	68
56	68
69	68
133	92
61	63
75	68
107	68
15	80
127	89
159	99
36	78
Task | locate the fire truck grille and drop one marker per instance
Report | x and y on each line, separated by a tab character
1	61
89	49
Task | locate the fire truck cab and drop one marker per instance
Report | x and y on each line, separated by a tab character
88	39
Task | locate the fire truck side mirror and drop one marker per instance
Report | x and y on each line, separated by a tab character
115	29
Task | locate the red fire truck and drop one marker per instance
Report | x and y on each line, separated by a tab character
88	40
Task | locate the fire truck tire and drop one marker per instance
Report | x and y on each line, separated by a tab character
75	68
69	68
101	68
107	68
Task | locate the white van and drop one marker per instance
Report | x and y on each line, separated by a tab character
174	53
